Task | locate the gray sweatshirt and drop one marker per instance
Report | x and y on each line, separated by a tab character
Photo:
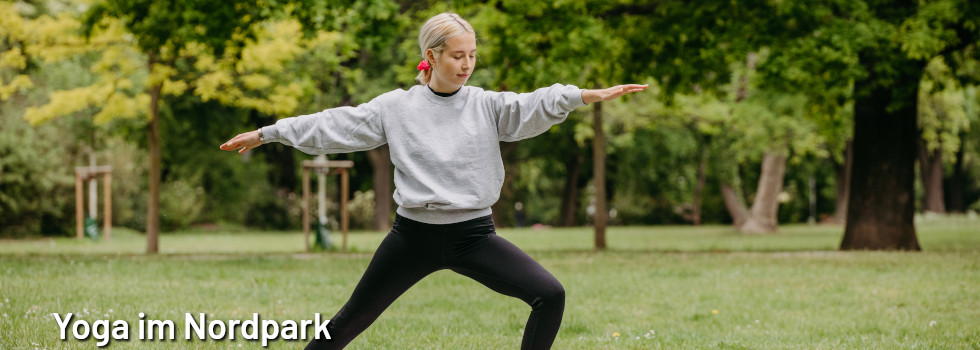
445	150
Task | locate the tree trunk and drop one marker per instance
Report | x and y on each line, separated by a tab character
733	202
842	185
381	163
153	201
881	208
599	176
955	185
931	172
569	197
736	208
503	209
762	216
699	188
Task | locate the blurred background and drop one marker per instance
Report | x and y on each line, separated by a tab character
750	119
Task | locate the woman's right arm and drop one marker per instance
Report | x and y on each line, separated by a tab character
336	130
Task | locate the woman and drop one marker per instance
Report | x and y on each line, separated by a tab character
444	141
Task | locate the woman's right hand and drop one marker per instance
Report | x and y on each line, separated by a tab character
243	142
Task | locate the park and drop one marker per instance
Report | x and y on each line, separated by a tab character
777	175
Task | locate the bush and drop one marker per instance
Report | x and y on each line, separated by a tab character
280	210
361	210
181	203
37	193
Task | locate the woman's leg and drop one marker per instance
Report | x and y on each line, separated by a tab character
397	265
506	269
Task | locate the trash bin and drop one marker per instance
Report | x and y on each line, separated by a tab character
322	234
91	228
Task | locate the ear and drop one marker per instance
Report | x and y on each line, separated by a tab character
430	56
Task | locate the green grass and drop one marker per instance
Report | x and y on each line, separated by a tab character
656	287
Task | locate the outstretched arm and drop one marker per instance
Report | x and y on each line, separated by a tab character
243	142
590	96
335	130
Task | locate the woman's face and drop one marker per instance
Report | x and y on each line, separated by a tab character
454	65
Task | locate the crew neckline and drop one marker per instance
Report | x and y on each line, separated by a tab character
432	95
443	94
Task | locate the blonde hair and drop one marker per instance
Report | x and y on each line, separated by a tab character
434	34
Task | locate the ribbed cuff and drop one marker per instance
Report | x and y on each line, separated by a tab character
574	96
269	134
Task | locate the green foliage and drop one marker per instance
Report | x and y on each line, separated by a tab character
181	203
273	210
230	67
164	28
361	210
37	195
942	109
36	180
529	44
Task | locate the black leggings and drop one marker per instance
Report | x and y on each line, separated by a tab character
412	250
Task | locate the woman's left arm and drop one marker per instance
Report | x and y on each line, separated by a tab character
595	95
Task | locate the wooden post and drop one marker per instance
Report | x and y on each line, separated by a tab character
79	203
335	167
344	184
306	207
107	206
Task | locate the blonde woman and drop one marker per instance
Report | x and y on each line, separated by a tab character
444	140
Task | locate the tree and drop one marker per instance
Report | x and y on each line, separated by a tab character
530	43
942	117
881	208
878	46
375	36
149	39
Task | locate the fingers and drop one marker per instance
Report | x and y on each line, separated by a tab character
633	88
620	90
232	144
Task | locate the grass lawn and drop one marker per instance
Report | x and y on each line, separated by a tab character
656	287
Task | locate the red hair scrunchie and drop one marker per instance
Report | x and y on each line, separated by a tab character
424	65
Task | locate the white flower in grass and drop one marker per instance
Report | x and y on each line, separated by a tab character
932	323
650	335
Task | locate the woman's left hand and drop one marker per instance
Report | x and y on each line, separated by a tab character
589	96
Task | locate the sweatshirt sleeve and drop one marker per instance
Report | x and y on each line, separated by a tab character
336	130
521	116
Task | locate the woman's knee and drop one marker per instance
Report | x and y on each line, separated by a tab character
557	293
553	295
